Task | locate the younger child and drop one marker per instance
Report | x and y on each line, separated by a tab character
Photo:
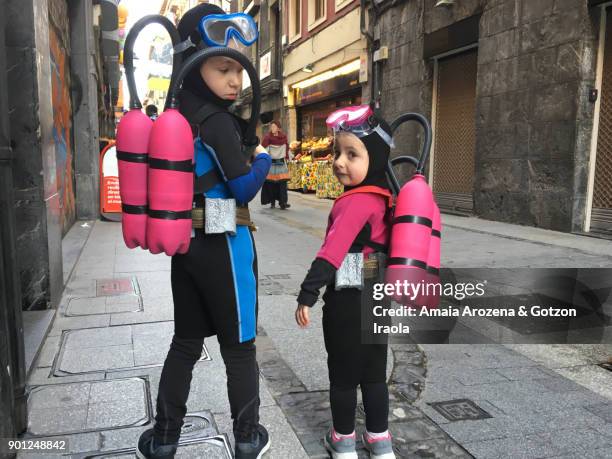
357	224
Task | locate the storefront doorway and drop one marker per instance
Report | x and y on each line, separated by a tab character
601	164
455	132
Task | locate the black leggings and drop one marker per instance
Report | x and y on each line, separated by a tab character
351	363
242	387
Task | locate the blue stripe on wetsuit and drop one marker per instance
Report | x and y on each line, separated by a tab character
240	247
242	256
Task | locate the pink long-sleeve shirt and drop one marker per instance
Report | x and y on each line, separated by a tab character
348	216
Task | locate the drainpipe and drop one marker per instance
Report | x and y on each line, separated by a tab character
372	46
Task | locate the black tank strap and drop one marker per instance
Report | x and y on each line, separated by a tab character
179	166
363	240
134	210
132	157
169	214
413	219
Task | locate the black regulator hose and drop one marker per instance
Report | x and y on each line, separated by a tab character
419	164
128	53
424	122
250	138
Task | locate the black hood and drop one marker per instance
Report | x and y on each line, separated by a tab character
378	154
188	29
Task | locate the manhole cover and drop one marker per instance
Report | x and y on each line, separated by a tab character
119	286
460	410
198	425
103	305
216	447
62	409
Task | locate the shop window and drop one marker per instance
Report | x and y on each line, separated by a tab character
316	13
295	19
264	29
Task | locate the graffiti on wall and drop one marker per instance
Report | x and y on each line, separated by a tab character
62	128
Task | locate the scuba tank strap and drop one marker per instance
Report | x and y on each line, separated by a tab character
363	240
206	181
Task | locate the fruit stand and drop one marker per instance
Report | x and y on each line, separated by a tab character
311	168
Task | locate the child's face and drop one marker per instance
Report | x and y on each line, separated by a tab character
351	159
223	76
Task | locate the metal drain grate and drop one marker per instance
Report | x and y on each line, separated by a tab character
217	447
460	410
199	425
119	286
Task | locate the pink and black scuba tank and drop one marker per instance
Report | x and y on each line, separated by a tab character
414	253
171	158
133	142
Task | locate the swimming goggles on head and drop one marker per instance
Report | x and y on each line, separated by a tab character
225	29
358	120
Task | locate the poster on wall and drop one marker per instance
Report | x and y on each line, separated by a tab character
62	129
265	65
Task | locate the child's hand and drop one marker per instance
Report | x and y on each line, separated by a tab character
302	315
259	149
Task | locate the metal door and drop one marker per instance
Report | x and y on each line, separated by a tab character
601	212
455	132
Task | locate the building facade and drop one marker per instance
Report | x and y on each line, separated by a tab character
53	71
518	97
324	61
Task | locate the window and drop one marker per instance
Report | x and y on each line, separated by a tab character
295	19
316	13
264	30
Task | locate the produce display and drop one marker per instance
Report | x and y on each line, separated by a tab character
311	168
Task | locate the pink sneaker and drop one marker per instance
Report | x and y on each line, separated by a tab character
379	447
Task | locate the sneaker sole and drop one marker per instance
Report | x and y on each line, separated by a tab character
264	450
337	455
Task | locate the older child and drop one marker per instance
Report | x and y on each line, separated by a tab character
357	228
214	284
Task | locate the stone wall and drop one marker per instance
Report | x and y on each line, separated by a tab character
536	62
37	205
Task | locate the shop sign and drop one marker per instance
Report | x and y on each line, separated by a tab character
328	88
265	65
363	68
110	199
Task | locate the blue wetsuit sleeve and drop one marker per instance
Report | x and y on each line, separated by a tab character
245	187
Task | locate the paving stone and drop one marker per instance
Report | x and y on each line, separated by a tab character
603	411
117	413
309	415
75	361
432	447
75	323
475	377
59	396
48	352
517	374
86	306
556	384
117	390
53	421
99	337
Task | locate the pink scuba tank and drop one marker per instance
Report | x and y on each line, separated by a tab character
410	237
170	184
432	298
132	154
133	141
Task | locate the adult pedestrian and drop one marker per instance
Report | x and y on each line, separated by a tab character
275	186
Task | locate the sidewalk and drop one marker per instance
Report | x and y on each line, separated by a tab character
96	377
